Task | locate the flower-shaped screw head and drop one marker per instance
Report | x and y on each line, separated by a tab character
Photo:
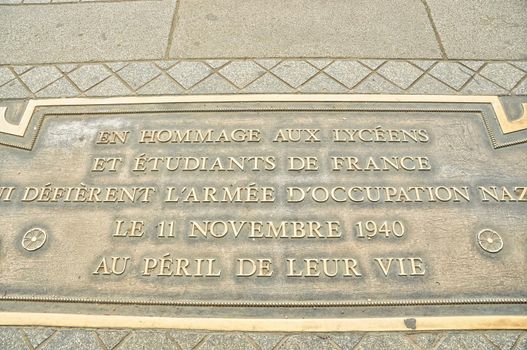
34	239
490	241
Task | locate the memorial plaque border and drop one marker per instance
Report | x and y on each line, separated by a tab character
504	126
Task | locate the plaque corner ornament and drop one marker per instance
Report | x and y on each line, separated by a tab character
12	129
509	125
4	125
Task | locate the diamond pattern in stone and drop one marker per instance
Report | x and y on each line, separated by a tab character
128	339
39	77
5	75
503	74
294	72
402	74
189	73
452	74
312	75
139	73
241	73
268	83
349	73
87	76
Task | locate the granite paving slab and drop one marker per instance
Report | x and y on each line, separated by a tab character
25	2
300	28
481	29
93	31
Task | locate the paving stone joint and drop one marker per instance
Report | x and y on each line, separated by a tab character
264	76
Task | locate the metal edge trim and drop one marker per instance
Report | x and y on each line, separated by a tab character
502	322
506	125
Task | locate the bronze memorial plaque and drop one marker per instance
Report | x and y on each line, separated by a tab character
313	212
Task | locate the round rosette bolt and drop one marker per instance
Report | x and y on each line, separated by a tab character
490	241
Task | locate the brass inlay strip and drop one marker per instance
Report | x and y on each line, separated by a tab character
266	325
506	125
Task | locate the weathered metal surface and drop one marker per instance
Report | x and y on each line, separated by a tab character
264	209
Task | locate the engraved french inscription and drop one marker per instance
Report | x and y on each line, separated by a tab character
268	209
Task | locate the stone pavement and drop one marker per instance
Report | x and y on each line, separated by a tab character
266	75
84	31
67	48
52	339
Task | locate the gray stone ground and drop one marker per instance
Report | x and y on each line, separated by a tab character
49	338
307	75
66	48
86	31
